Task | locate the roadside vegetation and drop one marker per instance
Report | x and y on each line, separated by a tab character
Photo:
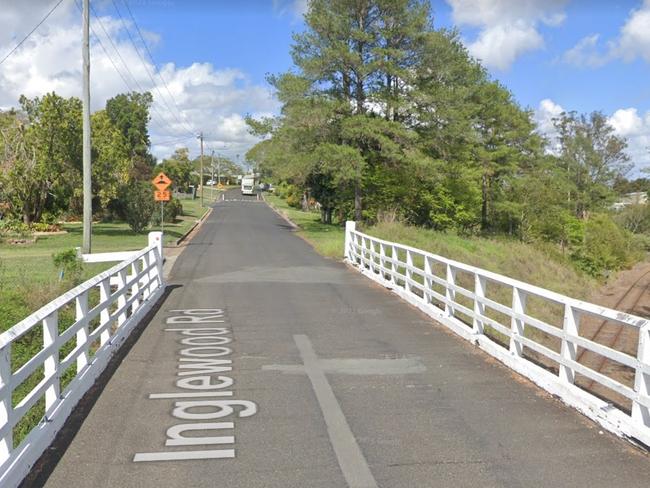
387	118
41	199
540	266
30	277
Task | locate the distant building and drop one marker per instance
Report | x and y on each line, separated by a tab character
635	198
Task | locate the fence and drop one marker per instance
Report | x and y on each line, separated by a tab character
75	336
508	331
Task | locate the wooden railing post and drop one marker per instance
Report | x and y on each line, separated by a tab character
450	293
408	273
51	363
149	276
350	227
105	315
121	300
156	239
81	310
569	350
393	266
480	284
6	441
135	287
428	282
517	325
382	259
641	413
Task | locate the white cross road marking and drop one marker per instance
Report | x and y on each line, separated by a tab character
351	460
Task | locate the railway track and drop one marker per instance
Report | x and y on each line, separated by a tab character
613	335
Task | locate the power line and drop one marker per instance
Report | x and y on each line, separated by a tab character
144	43
171	141
110	58
117	51
31	32
145	65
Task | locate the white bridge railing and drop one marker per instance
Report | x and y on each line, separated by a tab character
433	284
76	334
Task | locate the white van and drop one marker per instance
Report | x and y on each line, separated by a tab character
248	185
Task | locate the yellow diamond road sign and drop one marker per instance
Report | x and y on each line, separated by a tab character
161	181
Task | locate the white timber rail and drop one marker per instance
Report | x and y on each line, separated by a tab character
102	312
430	282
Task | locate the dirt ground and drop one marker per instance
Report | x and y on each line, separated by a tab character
628	292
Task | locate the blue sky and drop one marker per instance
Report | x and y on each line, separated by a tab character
553	55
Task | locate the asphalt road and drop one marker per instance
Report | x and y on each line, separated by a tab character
336	383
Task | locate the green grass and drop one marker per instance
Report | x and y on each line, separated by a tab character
326	239
29	279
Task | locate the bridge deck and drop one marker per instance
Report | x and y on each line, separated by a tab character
351	387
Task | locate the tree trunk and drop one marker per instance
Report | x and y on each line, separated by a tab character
484	202
357	201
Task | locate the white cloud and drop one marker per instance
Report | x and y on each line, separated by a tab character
632	42
507	28
629	124
545	114
626	122
297	8
585	53
205	98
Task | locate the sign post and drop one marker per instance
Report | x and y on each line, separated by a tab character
162	195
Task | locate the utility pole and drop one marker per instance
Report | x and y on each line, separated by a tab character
212	167
87	171
218	171
201	176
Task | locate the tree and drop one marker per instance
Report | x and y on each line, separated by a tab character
42	160
354	60
129	113
111	162
179	169
592	158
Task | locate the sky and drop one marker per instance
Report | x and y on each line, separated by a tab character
205	61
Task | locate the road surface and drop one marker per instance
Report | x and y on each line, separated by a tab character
337	383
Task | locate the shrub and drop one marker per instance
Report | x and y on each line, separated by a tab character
172	209
139	205
605	247
45	227
14	227
69	264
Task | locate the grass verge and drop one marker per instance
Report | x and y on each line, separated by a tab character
29	279
326	239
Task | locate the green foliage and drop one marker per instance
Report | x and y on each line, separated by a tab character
69	264
139	205
383	114
605	247
11	226
171	210
179	169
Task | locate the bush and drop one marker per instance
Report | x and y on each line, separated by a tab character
14	227
69	264
172	209
139	205
45	227
605	247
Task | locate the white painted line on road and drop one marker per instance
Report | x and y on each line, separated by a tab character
184	455
348	453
